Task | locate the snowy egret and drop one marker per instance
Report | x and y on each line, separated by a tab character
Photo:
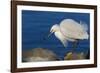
69	30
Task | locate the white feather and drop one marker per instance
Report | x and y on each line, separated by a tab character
70	30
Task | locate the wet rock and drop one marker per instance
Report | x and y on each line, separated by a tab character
39	54
74	56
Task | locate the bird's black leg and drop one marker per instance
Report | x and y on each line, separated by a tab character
75	43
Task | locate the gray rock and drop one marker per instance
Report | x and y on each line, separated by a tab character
39	54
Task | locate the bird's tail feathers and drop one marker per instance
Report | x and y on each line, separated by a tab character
84	25
85	36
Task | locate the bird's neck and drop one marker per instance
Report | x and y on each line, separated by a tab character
59	35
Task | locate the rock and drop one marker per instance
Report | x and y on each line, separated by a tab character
39	54
74	56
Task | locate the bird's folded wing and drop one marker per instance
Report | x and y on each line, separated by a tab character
71	29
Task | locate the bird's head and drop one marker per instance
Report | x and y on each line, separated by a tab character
53	29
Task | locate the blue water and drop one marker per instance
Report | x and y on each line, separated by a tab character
36	26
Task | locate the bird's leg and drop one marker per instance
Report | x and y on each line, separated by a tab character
74	45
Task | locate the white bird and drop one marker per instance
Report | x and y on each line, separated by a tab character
69	30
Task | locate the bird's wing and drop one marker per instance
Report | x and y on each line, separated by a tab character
72	29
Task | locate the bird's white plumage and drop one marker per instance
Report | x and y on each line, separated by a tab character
62	38
73	30
70	30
